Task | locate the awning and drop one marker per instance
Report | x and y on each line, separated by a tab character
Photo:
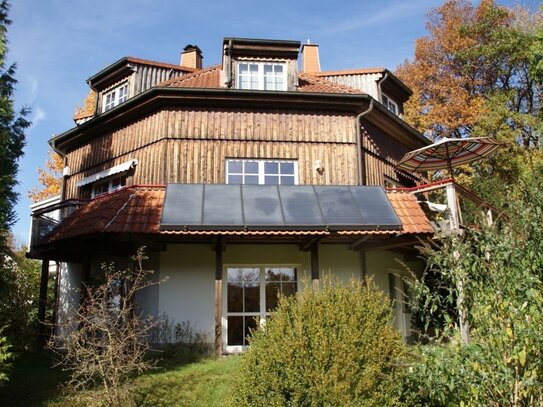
276	207
110	171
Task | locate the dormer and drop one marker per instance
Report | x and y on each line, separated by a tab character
257	64
129	77
379	83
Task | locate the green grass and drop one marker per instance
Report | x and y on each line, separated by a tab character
205	383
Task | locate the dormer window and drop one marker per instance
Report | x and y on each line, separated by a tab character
262	75
115	97
390	104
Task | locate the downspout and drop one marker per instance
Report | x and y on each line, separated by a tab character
360	158
229	66
384	78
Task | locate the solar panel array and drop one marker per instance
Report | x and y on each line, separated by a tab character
277	207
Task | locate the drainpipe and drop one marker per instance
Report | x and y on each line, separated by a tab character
360	158
229	66
384	78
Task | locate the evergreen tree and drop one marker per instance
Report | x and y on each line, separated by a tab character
12	137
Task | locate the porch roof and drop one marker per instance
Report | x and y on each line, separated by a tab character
138	210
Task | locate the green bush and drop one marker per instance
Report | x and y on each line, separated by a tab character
332	347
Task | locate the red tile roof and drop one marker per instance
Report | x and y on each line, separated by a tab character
204	78
138	210
410	213
210	78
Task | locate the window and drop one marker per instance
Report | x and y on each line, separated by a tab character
108	185
262	172
251	294
261	76
115	97
390	104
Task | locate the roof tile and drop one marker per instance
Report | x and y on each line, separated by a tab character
139	209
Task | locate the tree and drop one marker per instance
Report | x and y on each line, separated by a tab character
49	177
473	75
106	341
19	289
12	137
502	267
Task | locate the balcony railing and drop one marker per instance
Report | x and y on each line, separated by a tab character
49	213
451	207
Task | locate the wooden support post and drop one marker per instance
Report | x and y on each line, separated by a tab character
218	296
42	305
315	266
452	203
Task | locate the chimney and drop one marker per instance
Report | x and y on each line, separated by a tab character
310	58
191	57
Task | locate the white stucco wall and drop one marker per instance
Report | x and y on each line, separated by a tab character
69	293
187	292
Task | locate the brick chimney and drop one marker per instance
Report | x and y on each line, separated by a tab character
192	57
310	58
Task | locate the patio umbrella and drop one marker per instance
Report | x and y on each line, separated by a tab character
448	153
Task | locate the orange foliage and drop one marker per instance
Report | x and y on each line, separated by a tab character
448	96
88	108
49	177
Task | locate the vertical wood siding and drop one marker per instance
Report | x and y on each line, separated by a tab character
382	153
189	145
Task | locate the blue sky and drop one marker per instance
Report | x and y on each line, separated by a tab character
58	44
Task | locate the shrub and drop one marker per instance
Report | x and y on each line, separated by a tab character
335	346
107	340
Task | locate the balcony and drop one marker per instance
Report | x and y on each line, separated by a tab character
451	208
47	214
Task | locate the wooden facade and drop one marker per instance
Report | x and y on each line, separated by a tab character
187	145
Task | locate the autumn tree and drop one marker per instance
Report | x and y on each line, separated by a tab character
473	75
49	178
12	137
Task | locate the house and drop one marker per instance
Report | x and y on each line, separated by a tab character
246	179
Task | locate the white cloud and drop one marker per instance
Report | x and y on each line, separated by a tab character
38	115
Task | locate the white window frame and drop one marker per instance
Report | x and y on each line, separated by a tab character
261	75
113	184
115	97
261	170
390	104
262	314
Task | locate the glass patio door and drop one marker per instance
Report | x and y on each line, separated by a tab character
251	294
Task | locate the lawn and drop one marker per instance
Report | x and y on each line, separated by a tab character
206	383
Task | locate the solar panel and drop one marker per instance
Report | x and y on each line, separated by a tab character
261	205
300	205
182	206
374	207
337	205
222	205
284	207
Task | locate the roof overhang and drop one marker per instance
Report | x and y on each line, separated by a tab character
394	87
261	47
159	97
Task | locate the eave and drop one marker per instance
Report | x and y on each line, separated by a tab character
158	97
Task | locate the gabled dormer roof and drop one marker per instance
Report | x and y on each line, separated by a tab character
390	83
124	67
